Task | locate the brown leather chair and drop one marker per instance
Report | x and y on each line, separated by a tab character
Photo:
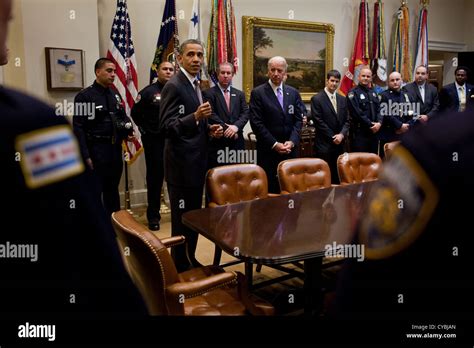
303	174
388	148
232	184
200	291
357	167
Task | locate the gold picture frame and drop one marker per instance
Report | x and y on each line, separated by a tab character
267	37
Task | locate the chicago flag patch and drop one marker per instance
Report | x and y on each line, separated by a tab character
48	155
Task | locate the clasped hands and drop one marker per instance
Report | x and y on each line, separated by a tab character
285	148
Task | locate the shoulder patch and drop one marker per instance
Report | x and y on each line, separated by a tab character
400	207
48	155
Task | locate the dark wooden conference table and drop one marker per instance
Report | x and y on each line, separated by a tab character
287	228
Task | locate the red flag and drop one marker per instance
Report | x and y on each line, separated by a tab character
360	55
122	53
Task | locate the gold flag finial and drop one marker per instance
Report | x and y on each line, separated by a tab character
425	2
404	2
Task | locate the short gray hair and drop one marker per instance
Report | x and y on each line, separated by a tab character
277	59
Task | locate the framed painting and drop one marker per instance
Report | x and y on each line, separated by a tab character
306	46
64	69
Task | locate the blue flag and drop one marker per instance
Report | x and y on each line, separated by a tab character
168	41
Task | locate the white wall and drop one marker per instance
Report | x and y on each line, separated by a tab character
59	29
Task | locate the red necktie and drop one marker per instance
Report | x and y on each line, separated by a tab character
227	98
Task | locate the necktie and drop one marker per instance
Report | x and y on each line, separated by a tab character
462	99
227	98
333	101
422	93
198	90
280	96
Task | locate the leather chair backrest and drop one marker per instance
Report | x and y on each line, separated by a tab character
388	148
147	260
357	167
303	174
236	183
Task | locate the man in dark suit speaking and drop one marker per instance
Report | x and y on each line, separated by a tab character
183	119
276	119
454	97
423	94
230	110
330	115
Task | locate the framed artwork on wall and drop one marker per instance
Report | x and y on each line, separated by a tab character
64	69
306	46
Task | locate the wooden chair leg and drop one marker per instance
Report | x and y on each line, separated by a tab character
259	268
217	256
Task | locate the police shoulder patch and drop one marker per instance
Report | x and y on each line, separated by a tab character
48	155
400	206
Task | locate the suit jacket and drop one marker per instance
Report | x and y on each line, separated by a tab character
186	140
237	116
268	120
449	99
327	122
431	104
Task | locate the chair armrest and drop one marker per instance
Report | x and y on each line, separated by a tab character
173	241
273	195
199	287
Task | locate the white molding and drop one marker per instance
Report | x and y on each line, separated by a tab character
447	46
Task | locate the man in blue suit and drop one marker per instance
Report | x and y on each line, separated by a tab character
230	110
453	97
276	119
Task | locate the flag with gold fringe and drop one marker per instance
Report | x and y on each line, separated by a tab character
421	55
401	44
379	57
222	39
360	55
168	40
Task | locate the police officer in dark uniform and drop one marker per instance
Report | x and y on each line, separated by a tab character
364	110
396	110
416	230
102	131
145	113
60	258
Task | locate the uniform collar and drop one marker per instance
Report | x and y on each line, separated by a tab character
100	88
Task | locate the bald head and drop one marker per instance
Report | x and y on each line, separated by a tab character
395	81
365	76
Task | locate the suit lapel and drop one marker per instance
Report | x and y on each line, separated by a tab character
417	91
189	87
233	103
271	96
220	98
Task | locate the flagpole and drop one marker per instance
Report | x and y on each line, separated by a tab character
127	192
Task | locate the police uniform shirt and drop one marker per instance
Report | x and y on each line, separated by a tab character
417	231
146	110
60	255
364	107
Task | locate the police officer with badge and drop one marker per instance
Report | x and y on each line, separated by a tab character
60	258
145	113
416	229
101	133
396	110
364	110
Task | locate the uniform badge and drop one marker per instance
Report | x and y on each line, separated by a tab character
156	97
362	97
400	206
48	155
351	95
118	98
373	93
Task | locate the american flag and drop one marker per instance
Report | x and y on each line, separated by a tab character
122	53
